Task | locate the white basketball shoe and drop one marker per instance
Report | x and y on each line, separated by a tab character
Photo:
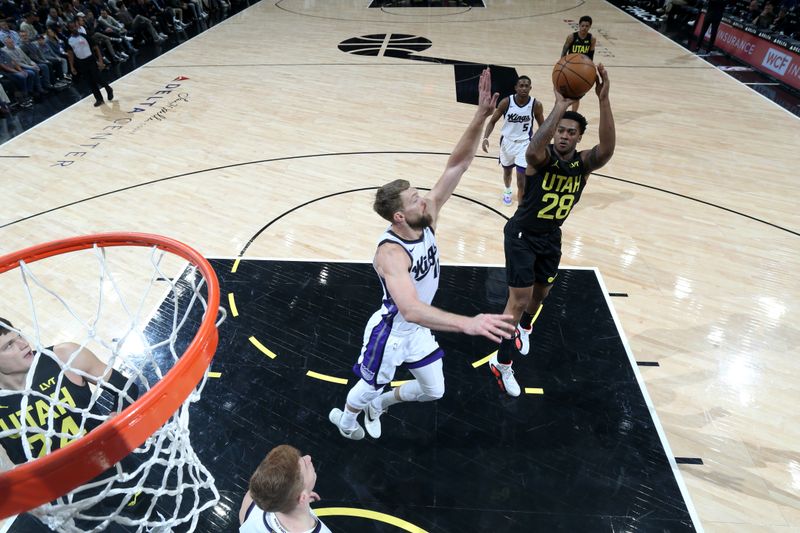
505	377
356	433
372	420
523	340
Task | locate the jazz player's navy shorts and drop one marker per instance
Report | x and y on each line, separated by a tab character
531	256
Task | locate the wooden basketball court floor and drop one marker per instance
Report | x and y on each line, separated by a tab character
263	139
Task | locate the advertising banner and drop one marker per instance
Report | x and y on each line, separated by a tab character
769	57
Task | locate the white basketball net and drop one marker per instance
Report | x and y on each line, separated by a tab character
162	485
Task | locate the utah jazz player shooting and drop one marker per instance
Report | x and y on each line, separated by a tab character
556	176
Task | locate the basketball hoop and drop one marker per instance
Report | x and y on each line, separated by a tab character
164	403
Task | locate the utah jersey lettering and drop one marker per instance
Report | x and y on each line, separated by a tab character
551	193
518	120
65	415
424	272
580	46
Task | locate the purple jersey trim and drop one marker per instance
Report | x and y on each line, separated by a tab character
425	361
249	510
376	344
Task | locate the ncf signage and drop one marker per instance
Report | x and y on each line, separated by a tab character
759	53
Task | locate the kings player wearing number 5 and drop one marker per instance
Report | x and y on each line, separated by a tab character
556	176
518	110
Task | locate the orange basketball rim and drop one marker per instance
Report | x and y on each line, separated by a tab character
43	480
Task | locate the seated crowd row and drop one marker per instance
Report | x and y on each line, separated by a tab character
780	17
35	38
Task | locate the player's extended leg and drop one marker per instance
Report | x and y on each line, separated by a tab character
525	326
357	399
518	299
507	192
500	364
427	386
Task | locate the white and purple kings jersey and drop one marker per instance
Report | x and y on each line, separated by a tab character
424	274
518	120
258	521
388	321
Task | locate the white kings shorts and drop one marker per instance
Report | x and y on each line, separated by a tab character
513	153
384	350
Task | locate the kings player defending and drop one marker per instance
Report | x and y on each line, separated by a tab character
407	264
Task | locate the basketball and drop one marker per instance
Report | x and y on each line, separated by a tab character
574	75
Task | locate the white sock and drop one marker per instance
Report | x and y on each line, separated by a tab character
348	420
386	400
508	190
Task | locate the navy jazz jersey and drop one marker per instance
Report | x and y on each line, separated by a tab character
581	46
551	193
66	416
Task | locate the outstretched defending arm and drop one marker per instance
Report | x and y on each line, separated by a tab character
392	264
536	154
464	152
602	152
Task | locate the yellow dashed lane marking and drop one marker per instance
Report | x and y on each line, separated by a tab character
325	377
537	314
214	374
528	390
235	265
263	349
483	361
232	305
371	515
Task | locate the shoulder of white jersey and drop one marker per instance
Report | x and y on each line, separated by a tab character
391	237
510	98
389	240
320	526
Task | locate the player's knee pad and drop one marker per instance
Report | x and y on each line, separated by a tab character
432	392
414	391
361	394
